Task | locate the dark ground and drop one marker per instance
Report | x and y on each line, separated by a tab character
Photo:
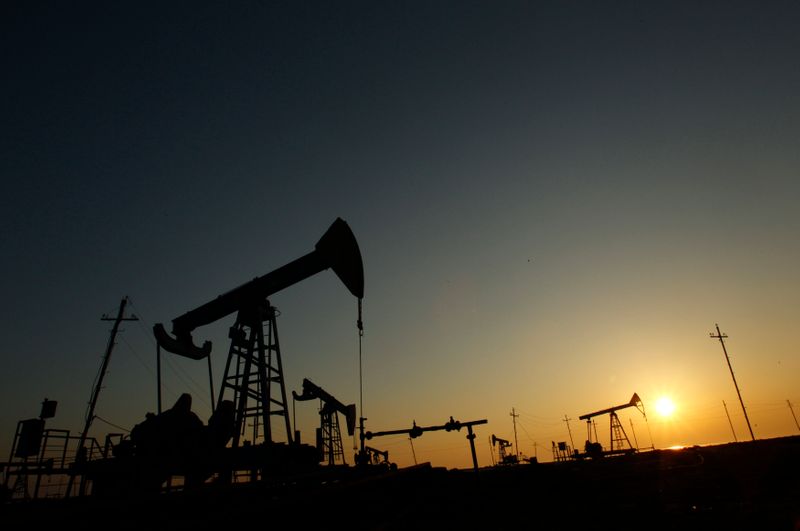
749	485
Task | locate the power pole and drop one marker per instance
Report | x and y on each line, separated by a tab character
81	452
792	410
567	419
721	336
729	421
634	435
514	416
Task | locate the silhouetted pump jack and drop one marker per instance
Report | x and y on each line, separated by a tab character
504	457
329	437
254	362
618	438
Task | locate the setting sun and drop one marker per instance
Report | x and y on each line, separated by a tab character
665	406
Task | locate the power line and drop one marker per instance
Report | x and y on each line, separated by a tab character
98	417
178	371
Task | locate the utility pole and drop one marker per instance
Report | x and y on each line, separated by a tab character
792	410
567	419
721	336
81	452
729	421
514	416
634	435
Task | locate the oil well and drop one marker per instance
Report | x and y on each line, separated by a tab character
619	442
329	435
248	437
248	455
251	406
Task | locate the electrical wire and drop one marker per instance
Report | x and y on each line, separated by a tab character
182	375
98	417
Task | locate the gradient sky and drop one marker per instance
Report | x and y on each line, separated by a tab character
555	203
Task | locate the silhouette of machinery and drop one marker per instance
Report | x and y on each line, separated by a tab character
175	442
504	455
618	438
254	371
377	457
329	436
451	425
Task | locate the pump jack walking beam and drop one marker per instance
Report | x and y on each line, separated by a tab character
337	250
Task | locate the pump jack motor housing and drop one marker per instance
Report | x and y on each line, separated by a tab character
337	250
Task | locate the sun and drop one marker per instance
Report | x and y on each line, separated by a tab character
665	406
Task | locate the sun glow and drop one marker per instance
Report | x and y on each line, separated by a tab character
665	406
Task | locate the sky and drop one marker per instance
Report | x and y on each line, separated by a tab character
555	203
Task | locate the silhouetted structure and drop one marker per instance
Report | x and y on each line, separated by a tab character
721	338
416	431
254	370
96	392
329	437
618	438
561	451
503	456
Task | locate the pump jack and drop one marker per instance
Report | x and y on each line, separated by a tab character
618	436
504	458
379	457
253	363
329	437
254	366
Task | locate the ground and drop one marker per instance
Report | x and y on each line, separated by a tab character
751	485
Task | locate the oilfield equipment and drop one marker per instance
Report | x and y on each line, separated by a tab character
619	444
504	455
329	436
416	431
379	458
562	451
254	359
238	440
56	455
31	453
